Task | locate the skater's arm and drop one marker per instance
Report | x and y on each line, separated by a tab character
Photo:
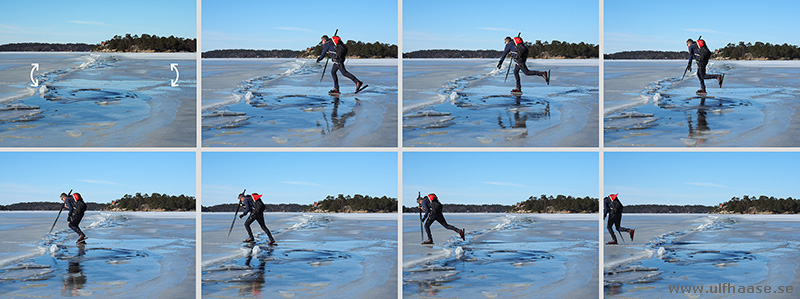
248	205
427	208
508	49
325	48
692	51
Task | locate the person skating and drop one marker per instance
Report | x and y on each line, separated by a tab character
255	207
700	52
519	53
76	208
338	52
613	207
433	212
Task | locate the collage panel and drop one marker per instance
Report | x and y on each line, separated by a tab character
310	81
694	223
729	81
105	225
84	75
460	91
318	224
500	225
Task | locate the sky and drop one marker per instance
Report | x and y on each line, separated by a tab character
98	176
699	178
665	26
297	177
94	21
481	25
498	177
294	25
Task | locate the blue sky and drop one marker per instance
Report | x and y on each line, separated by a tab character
478	25
657	25
99	176
295	25
298	177
93	21
701	177
498	177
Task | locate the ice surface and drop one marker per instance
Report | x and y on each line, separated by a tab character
464	102
698	249
128	94
127	254
286	105
339	255
504	255
755	107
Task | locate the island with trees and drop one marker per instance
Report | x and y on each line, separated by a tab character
731	51
138	202
542	204
125	43
355	49
330	204
538	49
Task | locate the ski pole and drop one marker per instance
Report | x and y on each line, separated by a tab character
234	214
59	214
326	60
509	62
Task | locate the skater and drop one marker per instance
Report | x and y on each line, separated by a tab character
700	52
76	208
254	206
519	52
433	212
613	207
337	50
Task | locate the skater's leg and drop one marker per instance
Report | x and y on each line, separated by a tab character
428	223
610	227
443	222
334	68
528	72
516	75
348	74
260	219
247	226
701	74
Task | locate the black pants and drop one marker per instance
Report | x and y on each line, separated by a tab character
440	218
615	220
74	221
340	67
701	74
524	68
256	216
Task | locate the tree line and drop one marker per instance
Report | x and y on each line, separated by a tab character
355	49
759	50
137	202
126	43
155	201
148	43
667	209
648	55
46	47
541	204
538	49
332	204
762	204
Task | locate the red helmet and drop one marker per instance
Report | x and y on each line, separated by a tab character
256	196
517	40
613	196
336	40
432	197
77	196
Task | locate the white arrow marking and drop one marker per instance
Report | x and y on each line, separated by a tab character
174	67
34	81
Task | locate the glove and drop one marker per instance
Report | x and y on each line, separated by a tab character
318	60
241	216
499	65
689	67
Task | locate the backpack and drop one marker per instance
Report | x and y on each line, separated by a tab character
341	50
522	50
616	206
436	206
705	53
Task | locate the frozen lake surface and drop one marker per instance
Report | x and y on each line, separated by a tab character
647	104
465	103
317	255
503	256
281	102
702	250
97	99
127	254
